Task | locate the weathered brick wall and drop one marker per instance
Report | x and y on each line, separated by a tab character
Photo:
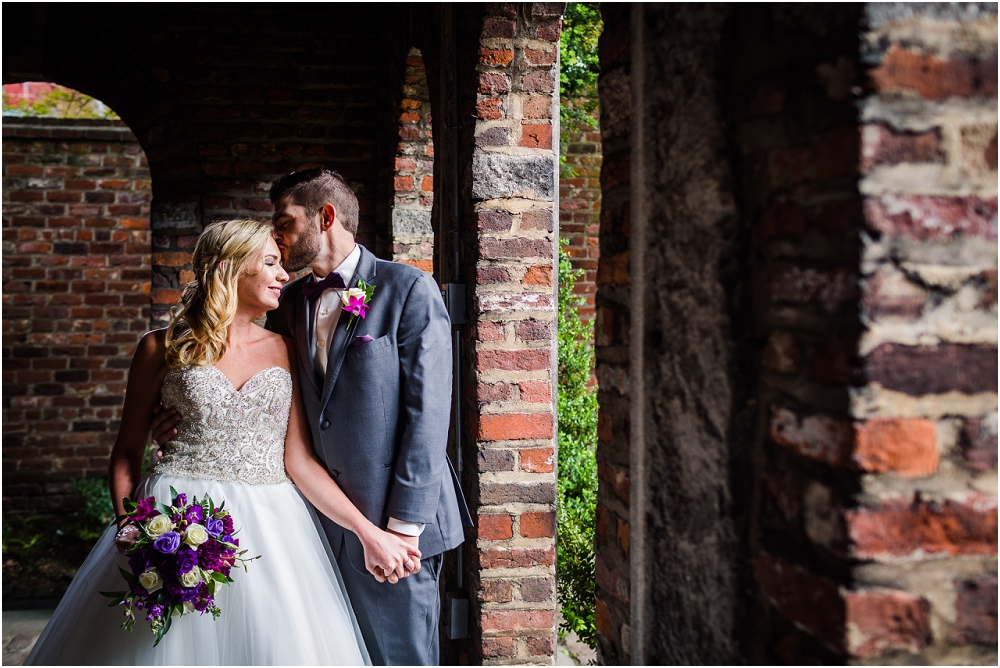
413	182
76	284
511	231
861	350
580	210
613	530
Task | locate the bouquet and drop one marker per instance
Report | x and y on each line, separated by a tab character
183	552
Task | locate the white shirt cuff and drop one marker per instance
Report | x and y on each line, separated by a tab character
406	528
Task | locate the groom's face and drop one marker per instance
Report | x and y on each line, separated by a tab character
297	234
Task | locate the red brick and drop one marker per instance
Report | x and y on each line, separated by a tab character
403	183
540	57
513	360
516	248
537	219
906	447
900	527
494	221
979	444
818	437
918	370
877	621
537	107
489	331
533	391
538	275
166	296
539	81
171	259
517	557
489	109
976	612
495	460
538	460
536	136
495	57
518	620
534	330
496	648
617	477
541	646
427	184
811	602
498	28
495	527
491	83
781	353
487	393
781	220
511	426
602	617
935	78
495	591
489	275
932	217
538	525
549	31
882	146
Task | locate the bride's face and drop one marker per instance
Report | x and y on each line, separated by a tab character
260	288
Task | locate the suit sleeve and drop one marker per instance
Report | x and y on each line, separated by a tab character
424	344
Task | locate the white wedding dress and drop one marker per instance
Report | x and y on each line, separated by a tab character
291	608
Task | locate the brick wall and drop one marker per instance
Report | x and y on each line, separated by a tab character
580	209
76	284
612	326
413	181
511	340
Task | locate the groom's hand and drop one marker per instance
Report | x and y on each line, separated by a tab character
413	565
164	421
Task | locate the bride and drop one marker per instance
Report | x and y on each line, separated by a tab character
244	440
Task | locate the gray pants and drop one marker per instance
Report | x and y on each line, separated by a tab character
398	621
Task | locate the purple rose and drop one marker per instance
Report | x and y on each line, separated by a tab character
180	500
214	527
186	560
195	514
145	509
227	523
168	542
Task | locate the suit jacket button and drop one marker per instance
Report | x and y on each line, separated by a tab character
324	424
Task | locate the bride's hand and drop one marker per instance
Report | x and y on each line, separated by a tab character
126	537
387	556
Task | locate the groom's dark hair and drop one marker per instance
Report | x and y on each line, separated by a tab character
312	189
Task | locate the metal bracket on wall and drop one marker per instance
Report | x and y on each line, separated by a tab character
454	300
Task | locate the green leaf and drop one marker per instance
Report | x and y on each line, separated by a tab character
219	577
163	508
129	578
129	504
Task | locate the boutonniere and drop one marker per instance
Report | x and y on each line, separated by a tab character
356	300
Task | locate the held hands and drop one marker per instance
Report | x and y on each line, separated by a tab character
126	537
164	423
389	557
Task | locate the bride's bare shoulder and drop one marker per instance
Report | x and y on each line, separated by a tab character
281	348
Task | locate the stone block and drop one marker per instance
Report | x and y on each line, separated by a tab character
498	176
411	223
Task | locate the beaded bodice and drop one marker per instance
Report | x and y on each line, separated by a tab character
227	434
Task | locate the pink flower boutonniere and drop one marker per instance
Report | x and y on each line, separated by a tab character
356	300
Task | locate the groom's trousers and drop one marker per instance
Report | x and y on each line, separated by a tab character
399	621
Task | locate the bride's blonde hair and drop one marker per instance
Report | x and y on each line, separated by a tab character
199	325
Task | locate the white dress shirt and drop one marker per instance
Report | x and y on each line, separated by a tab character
326	315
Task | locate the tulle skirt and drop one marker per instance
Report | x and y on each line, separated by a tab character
291	608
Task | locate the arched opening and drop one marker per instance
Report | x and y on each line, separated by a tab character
413	175
76	298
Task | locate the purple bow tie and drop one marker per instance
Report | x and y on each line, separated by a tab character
313	289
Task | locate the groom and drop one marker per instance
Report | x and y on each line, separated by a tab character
377	394
376	383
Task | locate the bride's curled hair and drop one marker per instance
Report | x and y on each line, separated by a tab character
199	325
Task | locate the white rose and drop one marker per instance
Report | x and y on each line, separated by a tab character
188	607
159	525
195	535
191	578
151	580
346	295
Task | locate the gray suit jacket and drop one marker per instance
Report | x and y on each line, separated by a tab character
379	422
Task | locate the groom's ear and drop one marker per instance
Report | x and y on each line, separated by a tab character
328	215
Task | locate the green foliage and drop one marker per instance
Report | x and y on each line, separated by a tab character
97	510
578	71
577	464
61	102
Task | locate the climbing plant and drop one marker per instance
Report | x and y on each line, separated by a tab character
578	71
577	483
60	102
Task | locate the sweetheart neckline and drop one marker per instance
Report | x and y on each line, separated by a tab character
229	381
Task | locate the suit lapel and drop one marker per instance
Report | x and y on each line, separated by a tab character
343	336
307	365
